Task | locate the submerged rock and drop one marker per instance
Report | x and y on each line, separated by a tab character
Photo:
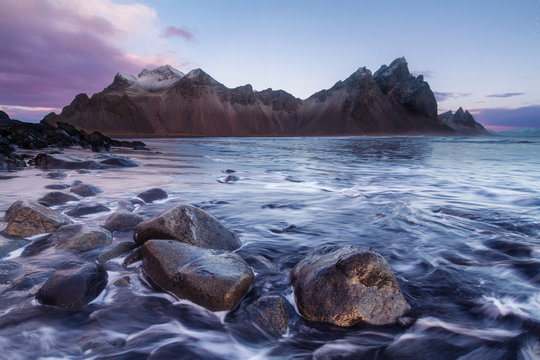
346	285
122	221
119	162
84	209
214	281
73	285
27	218
85	190
57	198
187	224
152	195
56	175
117	250
80	237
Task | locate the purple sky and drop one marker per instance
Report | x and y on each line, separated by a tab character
55	49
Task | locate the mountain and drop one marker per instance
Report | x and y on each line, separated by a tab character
520	132
166	102
463	122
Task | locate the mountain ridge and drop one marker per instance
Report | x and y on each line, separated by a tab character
167	102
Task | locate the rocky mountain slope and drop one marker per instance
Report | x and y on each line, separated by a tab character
164	101
463	122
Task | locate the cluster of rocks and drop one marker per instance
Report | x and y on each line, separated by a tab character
189	253
43	135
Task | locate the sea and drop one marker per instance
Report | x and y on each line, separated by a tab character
457	219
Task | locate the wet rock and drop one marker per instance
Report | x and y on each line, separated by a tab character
123	281
116	251
85	190
37	246
122	221
229	179
82	209
133	257
73	285
57	175
9	270
152	195
229	171
57	198
46	161
57	186
120	162
268	315
136	202
27	218
124	205
214	281
187	224
346	285
8	245
80	237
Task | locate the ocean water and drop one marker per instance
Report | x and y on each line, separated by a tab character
457	218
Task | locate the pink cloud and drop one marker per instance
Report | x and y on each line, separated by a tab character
51	54
171	31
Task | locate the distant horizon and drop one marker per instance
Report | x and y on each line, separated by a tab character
300	47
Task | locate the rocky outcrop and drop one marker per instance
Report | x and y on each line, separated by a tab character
214	281
187	224
391	101
73	285
346	285
27	218
463	122
80	237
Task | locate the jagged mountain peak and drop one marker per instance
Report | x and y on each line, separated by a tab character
162	73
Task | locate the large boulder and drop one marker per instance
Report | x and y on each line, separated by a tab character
80	238
346	285
27	218
57	198
214	281
46	161
73	285
122	221
187	224
85	190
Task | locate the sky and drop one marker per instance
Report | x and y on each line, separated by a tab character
481	55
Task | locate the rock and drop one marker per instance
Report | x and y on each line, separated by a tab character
57	186
124	205
119	162
123	281
117	250
267	315
27	218
80	238
152	195
46	161
85	190
187	224
122	221
346	285
463	122
214	281
82	209
37	246
57	198
7	246
229	179
73	285
56	175
136	201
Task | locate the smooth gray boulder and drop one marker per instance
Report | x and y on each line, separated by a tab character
80	237
57	198
73	285
152	195
345	285
27	218
209	279
122	221
188	224
85	190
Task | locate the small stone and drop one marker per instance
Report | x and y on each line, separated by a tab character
152	195
85	190
57	175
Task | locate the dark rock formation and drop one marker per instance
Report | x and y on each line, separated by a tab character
46	161
346	285
119	162
187	224
57	198
214	281
266	318
9	245
122	221
391	101
85	190
84	209
117	250
26	218
152	195
56	175
9	159
463	122
57	186
80	238
73	285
